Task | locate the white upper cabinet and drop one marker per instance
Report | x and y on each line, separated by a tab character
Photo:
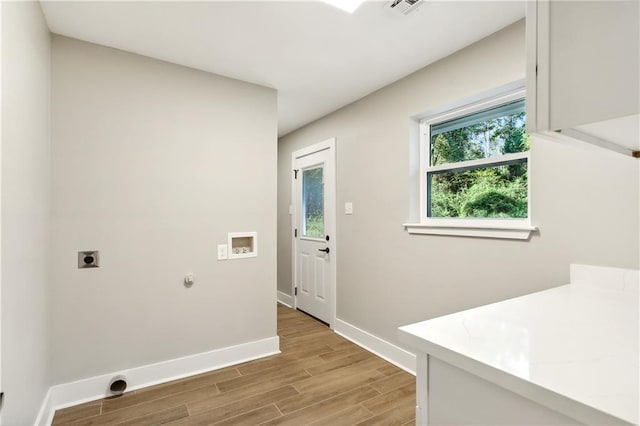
583	72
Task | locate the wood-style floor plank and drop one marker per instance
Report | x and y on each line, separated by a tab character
338	363
147	408
389	370
393	382
325	408
254	417
348	417
333	388
260	376
254	389
68	415
160	418
319	379
390	400
239	407
167	389
341	353
397	416
362	373
290	361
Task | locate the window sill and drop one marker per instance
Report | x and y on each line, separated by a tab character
501	229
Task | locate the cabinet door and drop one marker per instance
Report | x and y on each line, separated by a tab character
583	71
593	61
582	62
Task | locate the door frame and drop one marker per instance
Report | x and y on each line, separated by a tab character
332	209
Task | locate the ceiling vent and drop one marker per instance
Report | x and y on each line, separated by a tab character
404	7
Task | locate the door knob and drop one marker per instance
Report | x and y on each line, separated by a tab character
326	250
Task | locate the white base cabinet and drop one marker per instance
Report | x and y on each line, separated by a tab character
457	397
566	355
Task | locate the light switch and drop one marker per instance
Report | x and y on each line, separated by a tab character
222	252
348	208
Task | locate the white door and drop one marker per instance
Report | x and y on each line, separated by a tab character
314	230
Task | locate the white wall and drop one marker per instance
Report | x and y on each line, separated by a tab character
153	164
584	200
25	210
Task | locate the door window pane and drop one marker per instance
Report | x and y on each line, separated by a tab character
313	203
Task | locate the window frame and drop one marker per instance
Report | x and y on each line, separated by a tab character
516	228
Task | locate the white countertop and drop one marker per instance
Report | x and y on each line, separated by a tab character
578	342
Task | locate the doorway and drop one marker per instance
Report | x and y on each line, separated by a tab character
314	226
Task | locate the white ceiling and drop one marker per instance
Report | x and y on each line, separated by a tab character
319	58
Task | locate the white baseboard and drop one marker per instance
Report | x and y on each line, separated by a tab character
45	415
285	299
385	350
94	388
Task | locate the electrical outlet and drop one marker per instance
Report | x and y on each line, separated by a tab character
222	252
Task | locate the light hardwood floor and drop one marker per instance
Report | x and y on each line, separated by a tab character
319	378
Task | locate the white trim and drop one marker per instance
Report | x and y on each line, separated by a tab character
537	66
478	163
94	388
285	299
328	144
312	149
422	389
423	149
501	229
462	108
519	229
46	412
1	109
543	72
531	47
293	217
513	87
385	350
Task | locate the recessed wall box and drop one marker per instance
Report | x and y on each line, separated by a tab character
242	244
88	259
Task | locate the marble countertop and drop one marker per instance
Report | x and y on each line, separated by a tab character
577	342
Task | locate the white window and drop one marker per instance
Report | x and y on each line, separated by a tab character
474	177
